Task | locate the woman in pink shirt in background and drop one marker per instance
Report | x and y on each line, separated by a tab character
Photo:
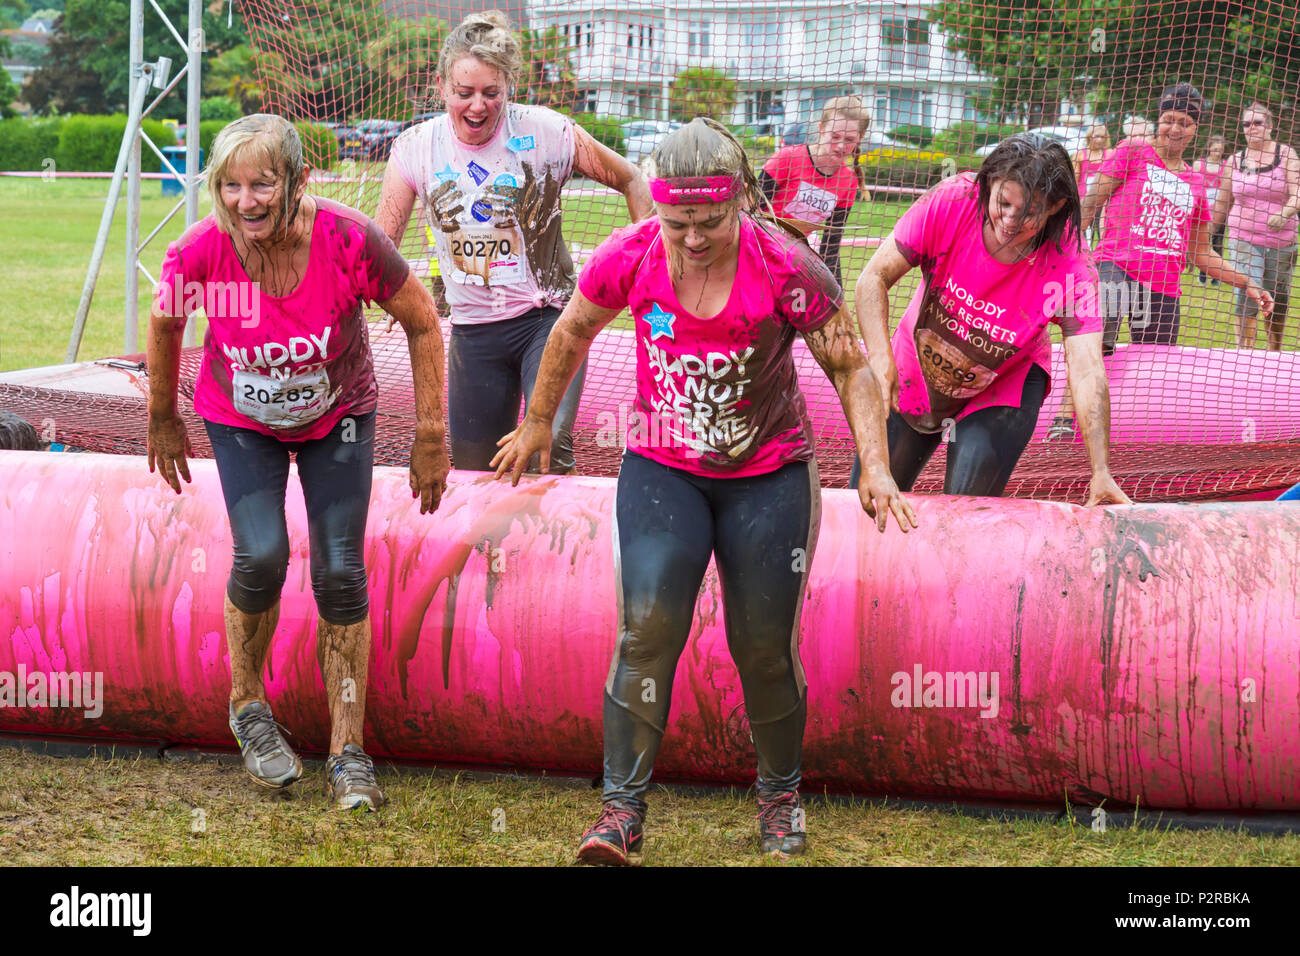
720	462
1210	166
1001	259
1088	160
282	278
1157	218
1259	198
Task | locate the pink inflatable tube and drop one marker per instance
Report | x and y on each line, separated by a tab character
1028	651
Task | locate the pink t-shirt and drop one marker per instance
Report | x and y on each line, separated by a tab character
976	325
802	192
1150	217
289	366
1088	169
494	211
717	397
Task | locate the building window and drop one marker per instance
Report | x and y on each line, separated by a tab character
591	36
904	44
585	102
697	38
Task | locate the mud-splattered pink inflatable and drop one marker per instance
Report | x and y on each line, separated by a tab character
1011	650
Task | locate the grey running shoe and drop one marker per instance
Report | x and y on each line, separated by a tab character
351	774
267	758
781	826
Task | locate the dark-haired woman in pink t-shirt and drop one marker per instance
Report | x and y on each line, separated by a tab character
1001	260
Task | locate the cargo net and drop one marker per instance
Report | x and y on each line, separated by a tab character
1202	408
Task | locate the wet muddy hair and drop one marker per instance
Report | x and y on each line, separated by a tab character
1043	170
268	141
488	38
17	434
704	147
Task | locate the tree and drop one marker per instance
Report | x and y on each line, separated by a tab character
547	77
13	13
233	74
1123	52
406	54
87	67
699	91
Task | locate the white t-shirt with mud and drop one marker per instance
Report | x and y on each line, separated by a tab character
494	211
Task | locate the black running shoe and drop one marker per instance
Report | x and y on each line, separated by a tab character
781	826
613	837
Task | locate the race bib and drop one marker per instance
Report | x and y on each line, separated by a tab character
282	403
488	255
947	369
811	204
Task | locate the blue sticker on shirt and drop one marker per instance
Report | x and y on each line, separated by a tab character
505	179
661	322
477	173
447	175
481	210
517	144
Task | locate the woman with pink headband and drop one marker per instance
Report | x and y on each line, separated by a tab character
719	462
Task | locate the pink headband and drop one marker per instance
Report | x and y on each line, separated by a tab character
694	189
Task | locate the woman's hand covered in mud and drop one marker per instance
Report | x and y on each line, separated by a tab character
880	496
1103	490
168	445
429	467
533	437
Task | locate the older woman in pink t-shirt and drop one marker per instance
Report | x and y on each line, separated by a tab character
720	461
1001	260
282	278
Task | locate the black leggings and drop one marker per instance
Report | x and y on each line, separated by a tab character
762	532
986	445
335	472
490	366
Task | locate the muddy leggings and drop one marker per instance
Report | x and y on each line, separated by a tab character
335	472
489	367
986	445
761	531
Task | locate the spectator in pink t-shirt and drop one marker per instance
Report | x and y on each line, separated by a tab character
1089	159
282	278
1157	218
1001	259
720	461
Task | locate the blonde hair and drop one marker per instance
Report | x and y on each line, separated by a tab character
1092	129
704	147
846	107
267	141
487	37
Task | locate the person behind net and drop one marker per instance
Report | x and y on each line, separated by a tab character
1210	166
813	186
1157	218
719	461
1001	259
1089	159
489	173
1259	199
287	369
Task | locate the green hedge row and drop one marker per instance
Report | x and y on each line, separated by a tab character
82	143
914	173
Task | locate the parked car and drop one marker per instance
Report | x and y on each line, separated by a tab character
1073	138
642	137
875	145
372	139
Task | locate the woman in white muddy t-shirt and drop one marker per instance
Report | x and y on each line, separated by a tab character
488	173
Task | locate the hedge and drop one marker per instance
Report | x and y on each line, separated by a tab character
969	135
89	144
915	173
606	130
25	144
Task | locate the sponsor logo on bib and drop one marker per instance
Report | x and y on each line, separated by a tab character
518	144
482	210
477	173
447	175
505	179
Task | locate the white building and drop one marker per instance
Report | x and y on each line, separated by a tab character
787	58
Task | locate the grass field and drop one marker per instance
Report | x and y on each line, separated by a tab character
50	230
116	812
123	812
